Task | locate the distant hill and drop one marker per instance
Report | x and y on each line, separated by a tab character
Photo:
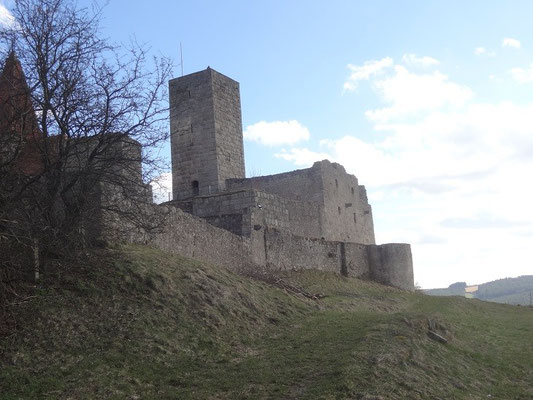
508	290
455	289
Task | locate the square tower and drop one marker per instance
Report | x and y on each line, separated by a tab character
205	133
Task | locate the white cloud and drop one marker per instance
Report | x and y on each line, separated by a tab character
276	133
302	157
421	62
510	42
162	188
366	71
6	18
409	93
482	51
445	173
522	75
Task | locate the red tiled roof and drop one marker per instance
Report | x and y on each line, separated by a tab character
17	116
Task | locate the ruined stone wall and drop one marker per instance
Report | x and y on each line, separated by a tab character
303	184
270	211
285	252
341	211
304	218
190	236
228	210
239	211
389	264
346	215
357	261
291	216
365	221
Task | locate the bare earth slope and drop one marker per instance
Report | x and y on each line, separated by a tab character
136	323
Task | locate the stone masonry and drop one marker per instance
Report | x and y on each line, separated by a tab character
317	217
206	133
314	218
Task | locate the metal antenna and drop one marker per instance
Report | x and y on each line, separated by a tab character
181	56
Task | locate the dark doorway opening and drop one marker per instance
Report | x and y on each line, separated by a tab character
195	188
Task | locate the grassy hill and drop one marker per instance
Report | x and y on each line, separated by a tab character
136	323
507	290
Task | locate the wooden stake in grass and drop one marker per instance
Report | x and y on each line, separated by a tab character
36	259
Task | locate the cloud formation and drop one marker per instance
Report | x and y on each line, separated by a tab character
366	71
522	75
276	133
6	18
440	166
421	62
410	93
510	42
482	51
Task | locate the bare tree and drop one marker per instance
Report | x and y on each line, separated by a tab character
78	116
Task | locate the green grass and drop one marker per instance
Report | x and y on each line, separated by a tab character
136	323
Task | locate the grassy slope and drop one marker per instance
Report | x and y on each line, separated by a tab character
137	323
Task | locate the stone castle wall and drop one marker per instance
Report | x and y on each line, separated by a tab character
323	202
314	218
228	210
347	216
303	184
271	249
240	210
190	236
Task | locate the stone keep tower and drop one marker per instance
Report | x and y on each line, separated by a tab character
206	133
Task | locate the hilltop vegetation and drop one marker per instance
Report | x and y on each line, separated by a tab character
136	323
508	290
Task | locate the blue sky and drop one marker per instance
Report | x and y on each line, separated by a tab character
428	103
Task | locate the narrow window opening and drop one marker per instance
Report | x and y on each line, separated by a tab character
336	183
353	192
189	94
339	209
195	186
354	218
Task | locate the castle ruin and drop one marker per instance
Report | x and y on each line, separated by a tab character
317	217
314	218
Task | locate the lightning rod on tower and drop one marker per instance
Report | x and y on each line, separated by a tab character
181	57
